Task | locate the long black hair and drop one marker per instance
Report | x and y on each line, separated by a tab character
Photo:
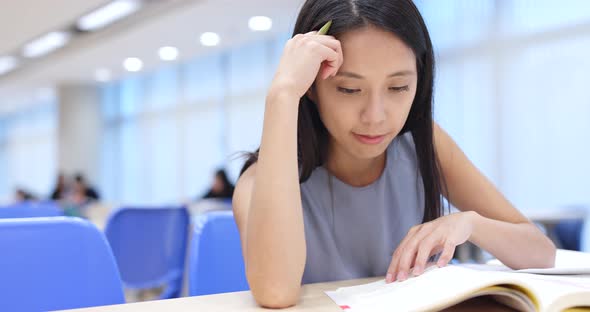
402	18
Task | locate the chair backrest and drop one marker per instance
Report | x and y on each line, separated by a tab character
149	245
54	264
216	264
569	233
30	210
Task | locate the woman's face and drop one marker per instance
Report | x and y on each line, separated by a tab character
367	103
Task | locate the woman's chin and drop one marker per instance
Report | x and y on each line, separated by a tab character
369	152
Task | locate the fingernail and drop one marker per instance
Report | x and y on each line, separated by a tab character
389	278
401	276
417	270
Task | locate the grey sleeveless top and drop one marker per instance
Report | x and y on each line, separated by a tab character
352	232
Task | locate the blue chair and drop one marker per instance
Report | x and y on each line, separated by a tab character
31	209
216	264
149	245
569	233
56	263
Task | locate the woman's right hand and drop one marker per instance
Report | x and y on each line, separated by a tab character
305	57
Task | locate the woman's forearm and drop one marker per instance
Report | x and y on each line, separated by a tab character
517	245
275	240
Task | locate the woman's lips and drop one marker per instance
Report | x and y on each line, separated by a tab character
369	139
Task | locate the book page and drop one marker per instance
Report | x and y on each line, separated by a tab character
566	262
435	289
439	288
551	288
558	292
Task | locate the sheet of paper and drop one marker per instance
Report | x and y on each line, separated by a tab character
441	287
433	289
566	262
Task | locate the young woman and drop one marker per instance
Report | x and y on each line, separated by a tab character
351	173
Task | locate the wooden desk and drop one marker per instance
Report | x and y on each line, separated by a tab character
98	213
313	299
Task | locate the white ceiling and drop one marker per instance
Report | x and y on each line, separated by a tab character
23	20
164	22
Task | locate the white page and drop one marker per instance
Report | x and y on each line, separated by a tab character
559	292
566	262
435	288
440	287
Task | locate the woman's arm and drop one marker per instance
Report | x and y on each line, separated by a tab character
267	199
498	226
267	208
487	219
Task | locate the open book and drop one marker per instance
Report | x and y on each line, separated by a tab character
439	288
566	262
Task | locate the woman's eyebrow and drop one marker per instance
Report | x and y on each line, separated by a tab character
358	76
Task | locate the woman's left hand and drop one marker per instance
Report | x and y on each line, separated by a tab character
425	240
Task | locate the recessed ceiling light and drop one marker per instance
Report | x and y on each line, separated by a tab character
7	63
133	64
102	75
46	44
168	53
108	14
260	23
210	39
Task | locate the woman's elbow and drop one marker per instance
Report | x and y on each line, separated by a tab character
550	253
273	299
274	294
541	255
544	256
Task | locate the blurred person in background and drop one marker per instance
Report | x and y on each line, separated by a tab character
22	195
222	188
61	188
82	192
